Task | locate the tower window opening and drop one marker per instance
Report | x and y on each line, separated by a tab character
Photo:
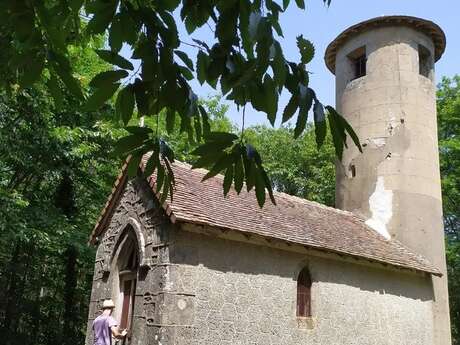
358	62
425	63
304	294
353	170
360	66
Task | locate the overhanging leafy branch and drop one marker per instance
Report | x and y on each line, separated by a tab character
245	61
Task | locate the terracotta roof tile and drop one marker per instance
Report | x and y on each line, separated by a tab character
293	219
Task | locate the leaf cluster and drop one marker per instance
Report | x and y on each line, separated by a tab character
245	61
240	161
448	107
296	166
448	103
55	173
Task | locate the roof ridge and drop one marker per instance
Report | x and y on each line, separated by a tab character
316	203
281	194
298	199
202	202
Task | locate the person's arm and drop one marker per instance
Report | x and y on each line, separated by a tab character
116	332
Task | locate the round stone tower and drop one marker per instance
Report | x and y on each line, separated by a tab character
386	90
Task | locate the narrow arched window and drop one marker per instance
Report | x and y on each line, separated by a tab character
358	61
127	267
425	62
304	294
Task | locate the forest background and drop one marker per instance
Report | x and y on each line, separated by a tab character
57	167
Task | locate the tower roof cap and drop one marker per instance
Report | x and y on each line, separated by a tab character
429	28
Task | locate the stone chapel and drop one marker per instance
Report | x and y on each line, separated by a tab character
204	269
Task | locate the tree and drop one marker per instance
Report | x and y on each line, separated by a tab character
55	173
246	60
448	98
56	169
296	166
453	271
180	142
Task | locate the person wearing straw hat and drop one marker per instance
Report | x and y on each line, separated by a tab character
105	326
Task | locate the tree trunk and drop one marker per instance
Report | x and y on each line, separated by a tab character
70	319
11	309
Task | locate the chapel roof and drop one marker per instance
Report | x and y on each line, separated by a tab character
293	220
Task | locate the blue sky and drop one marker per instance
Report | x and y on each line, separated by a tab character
321	25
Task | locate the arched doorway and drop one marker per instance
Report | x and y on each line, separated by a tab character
125	271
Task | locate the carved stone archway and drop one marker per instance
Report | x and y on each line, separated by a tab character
135	226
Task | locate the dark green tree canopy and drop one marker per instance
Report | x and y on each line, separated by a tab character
448	98
449	152
245	61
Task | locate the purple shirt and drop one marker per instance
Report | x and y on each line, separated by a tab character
101	329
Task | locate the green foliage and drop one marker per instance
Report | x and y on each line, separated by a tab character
55	173
449	152
114	59
125	104
56	170
245	61
57	167
237	159
306	48
448	98
217	122
107	78
340	128
453	271
100	96
296	166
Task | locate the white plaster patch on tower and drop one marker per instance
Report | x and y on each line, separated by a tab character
393	124
381	207
379	142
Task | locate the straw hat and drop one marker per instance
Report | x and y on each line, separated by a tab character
108	304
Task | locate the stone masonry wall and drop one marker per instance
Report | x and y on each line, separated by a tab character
241	293
138	212
198	289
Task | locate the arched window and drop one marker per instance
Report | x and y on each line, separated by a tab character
425	62
127	265
358	61
304	293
